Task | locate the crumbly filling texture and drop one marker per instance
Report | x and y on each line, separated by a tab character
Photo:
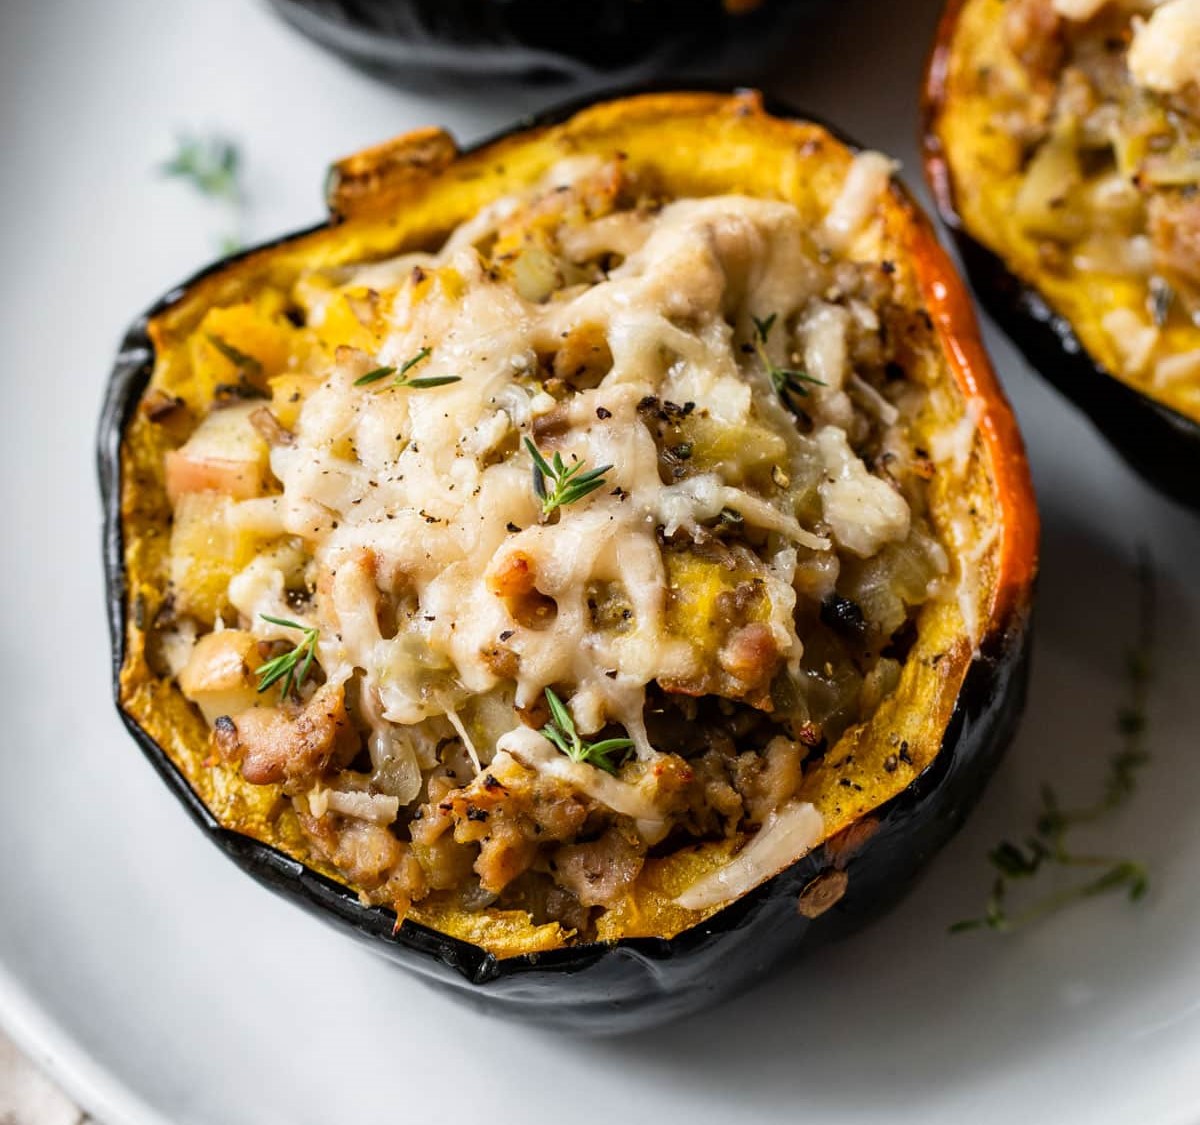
1103	97
572	541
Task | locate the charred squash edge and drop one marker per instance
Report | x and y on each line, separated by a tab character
1159	442
636	981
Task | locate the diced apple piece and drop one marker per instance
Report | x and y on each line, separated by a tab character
238	479
225	454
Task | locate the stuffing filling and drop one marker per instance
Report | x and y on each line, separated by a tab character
1105	103
565	544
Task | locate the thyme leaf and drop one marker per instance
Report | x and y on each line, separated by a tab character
786	381
430	381
1048	845
212	166
292	667
402	371
247	365
557	484
374	376
409	364
561	731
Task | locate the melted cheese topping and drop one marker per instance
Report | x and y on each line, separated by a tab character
738	383
408	488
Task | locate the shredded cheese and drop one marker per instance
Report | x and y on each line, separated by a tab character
788	835
407	490
1165	53
859	199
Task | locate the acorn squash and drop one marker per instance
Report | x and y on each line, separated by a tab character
1063	157
410	41
880	736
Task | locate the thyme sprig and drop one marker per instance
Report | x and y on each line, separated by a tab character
561	731
246	365
557	484
284	667
786	381
212	165
401	373
1048	845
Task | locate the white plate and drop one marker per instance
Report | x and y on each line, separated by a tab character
160	984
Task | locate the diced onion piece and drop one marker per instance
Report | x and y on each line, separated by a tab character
318	800
1134	338
1178	168
399	774
1110	252
1043	207
864	511
535	273
375	807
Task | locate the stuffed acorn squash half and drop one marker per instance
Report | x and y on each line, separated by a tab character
588	568
1063	148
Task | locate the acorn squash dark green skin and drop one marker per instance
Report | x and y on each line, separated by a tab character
407	41
1159	443
610	988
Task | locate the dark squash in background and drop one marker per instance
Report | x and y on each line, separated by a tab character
408	41
961	717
